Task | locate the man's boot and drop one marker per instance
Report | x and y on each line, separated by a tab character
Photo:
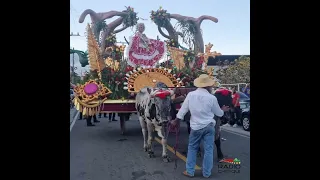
95	119
89	121
80	116
113	117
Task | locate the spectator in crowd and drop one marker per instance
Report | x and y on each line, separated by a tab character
104	115
236	107
94	120
246	90
113	116
80	116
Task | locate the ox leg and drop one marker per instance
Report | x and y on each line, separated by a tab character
162	134
144	133
150	147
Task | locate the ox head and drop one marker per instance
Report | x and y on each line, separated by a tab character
162	103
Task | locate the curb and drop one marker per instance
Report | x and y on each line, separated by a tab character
74	120
73	113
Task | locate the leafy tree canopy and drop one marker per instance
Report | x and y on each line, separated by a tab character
239	72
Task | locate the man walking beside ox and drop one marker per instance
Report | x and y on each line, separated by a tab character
202	106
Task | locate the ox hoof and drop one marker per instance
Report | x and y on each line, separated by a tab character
145	149
151	155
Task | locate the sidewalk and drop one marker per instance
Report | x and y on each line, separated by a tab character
73	112
238	130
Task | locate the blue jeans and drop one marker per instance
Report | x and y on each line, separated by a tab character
195	137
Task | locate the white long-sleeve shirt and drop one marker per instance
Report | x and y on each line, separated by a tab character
203	106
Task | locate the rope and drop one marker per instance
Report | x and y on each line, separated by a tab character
176	129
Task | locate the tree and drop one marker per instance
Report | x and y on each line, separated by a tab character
83	56
237	72
77	78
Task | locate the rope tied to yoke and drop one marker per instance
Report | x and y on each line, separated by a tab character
176	130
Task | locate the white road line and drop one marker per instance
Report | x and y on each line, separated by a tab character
74	120
232	132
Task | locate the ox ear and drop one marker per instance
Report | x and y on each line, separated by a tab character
149	90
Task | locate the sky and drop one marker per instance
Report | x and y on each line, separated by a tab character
230	36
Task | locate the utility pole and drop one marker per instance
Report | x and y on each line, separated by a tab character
73	68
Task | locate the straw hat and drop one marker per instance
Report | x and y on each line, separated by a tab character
203	81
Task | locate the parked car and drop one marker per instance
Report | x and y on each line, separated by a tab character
245	108
245	119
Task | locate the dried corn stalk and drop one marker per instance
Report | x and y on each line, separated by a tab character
95	58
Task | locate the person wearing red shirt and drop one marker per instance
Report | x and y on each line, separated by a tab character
236	106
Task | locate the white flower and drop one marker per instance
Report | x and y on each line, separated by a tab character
125	88
127	75
125	83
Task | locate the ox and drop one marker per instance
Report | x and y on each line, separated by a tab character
154	110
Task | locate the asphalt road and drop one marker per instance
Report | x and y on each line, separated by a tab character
101	153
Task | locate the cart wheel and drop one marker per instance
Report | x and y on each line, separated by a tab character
122	123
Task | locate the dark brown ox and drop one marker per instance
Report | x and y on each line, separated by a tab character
154	111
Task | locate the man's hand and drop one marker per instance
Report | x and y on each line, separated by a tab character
225	108
174	122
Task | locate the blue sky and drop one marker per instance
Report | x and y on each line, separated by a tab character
230	36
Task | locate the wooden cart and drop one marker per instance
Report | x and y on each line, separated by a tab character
125	107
